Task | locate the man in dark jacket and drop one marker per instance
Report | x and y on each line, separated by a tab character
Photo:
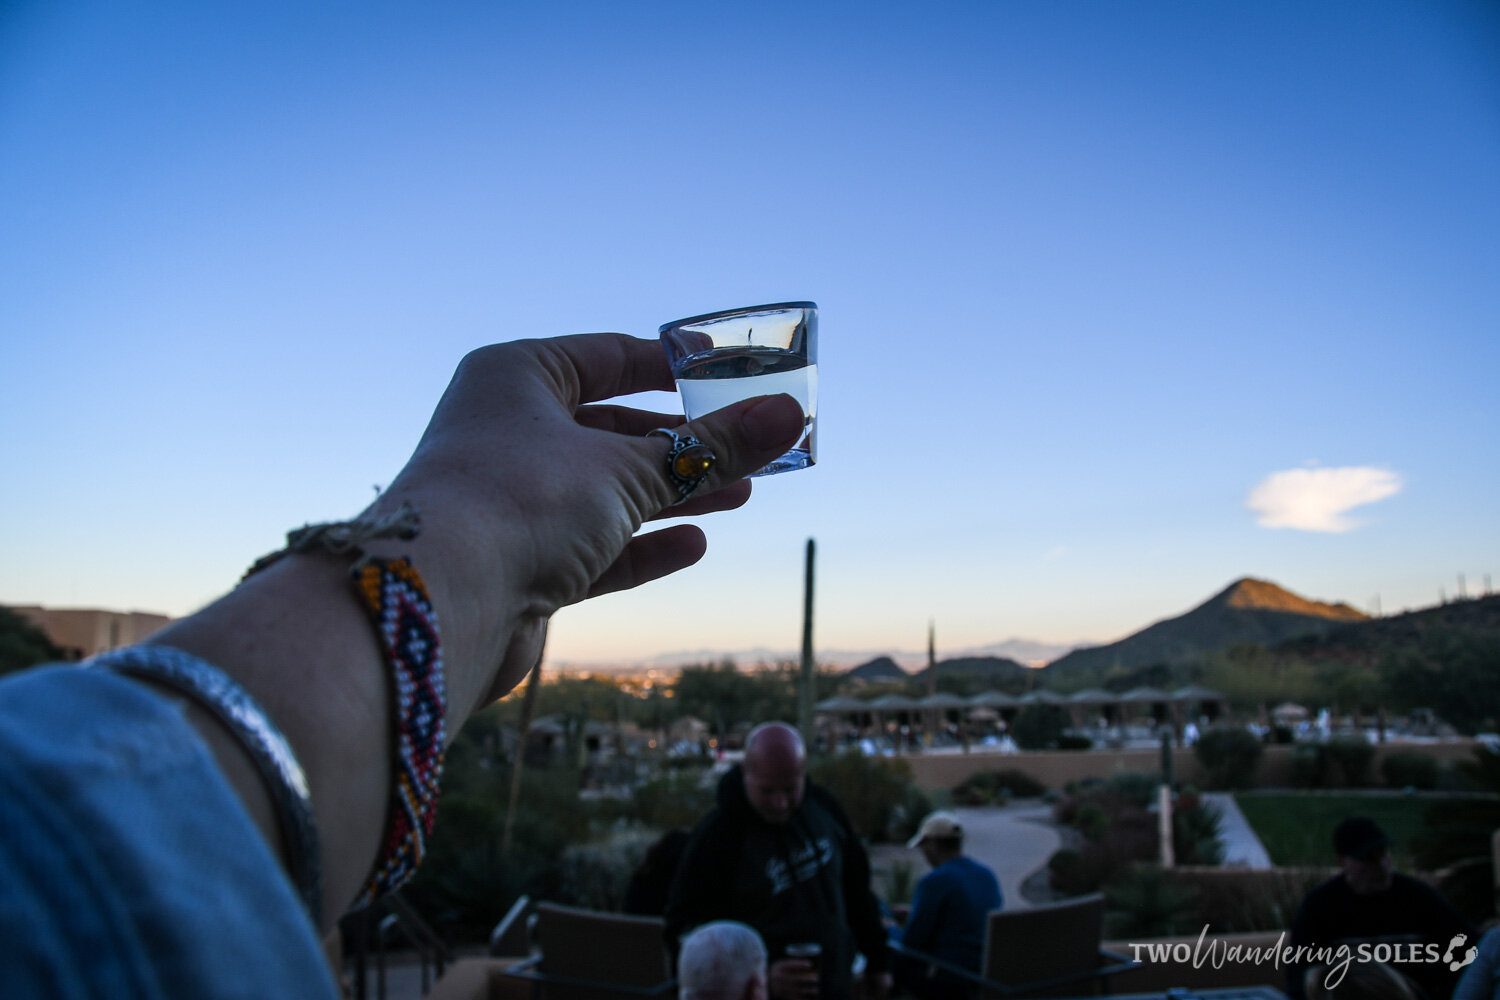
778	854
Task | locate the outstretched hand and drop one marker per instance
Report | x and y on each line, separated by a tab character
539	486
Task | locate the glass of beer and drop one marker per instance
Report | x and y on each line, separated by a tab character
808	951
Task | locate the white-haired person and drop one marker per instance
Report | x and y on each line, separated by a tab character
722	960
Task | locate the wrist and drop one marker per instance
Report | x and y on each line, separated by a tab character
467	560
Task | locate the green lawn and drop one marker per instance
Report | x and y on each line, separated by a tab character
1298	829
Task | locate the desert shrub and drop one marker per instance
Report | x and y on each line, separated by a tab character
1195	832
900	881
466	883
675	799
1071	874
1231	902
1129	838
1230	756
596	874
1092	820
1020	784
1039	727
1351	758
1118	830
1410	770
1307	766
997	787
1342	762
973	793
876	792
1145	901
23	644
1137	789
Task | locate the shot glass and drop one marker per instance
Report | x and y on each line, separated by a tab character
809	951
723	357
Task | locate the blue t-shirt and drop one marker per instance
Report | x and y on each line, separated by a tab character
949	911
128	867
1481	980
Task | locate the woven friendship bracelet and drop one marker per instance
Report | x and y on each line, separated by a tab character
256	734
393	594
344	538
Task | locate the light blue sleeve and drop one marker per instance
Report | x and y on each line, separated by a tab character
128	867
1481	980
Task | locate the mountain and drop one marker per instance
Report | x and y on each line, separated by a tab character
1027	651
1363	643
992	671
1248	611
979	671
882	668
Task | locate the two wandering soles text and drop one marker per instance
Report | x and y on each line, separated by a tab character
1217	953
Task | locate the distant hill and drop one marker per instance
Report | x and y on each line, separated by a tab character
882	668
996	670
1362	643
1248	611
1444	659
963	672
1025	651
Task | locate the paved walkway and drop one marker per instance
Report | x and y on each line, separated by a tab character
1015	840
1242	848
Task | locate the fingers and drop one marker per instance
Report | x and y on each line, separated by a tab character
727	497
593	366
743	437
651	557
625	419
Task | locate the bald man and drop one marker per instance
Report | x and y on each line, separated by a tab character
778	853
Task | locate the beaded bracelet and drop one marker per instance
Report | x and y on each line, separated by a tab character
257	735
392	593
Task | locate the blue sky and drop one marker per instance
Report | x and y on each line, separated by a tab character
1092	277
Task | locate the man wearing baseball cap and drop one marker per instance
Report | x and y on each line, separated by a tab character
1369	901
949	911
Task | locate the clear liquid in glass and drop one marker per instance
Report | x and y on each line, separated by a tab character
714	380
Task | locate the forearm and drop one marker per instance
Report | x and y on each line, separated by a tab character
297	639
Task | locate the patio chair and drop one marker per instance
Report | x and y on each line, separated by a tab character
591	955
511	937
1041	951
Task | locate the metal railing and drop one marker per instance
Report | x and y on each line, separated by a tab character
372	931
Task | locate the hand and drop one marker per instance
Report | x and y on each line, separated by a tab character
534	494
878	984
793	979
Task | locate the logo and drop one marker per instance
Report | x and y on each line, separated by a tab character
1449	956
1216	953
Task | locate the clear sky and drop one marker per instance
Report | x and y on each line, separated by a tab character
1120	301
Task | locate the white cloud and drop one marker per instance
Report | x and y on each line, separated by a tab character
1319	499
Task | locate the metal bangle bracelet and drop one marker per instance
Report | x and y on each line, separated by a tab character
257	735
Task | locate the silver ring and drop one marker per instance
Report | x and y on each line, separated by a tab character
688	461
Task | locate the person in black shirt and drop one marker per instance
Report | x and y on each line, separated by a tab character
1370	902
779	854
646	893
